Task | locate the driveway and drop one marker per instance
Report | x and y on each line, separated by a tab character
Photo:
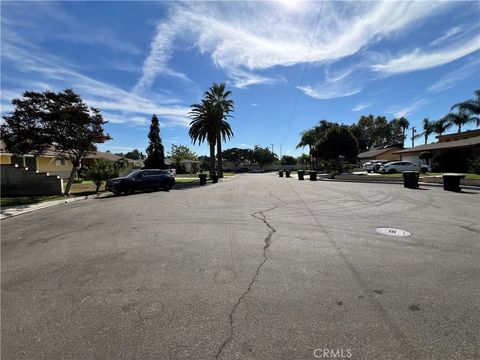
258	267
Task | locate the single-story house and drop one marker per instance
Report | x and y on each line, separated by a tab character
383	153
450	153
54	163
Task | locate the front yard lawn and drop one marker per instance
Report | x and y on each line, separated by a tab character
27	200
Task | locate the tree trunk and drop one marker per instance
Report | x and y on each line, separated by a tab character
426	139
70	179
459	128
212	159
219	157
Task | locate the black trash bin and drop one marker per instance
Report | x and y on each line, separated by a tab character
300	174
451	182
313	175
410	179
203	179
214	178
280	173
287	173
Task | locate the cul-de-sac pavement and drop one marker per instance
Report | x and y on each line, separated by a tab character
257	267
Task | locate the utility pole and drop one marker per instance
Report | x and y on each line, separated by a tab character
280	151
413	136
272	148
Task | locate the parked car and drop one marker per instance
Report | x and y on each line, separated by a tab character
370	165
399	166
141	180
378	165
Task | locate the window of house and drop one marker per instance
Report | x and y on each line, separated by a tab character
59	162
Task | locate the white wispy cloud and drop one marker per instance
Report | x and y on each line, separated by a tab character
448	35
245	38
118	104
409	109
419	60
451	79
360	107
157	61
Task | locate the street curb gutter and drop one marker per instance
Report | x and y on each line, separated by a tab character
34	207
399	183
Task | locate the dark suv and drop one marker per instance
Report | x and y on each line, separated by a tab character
141	180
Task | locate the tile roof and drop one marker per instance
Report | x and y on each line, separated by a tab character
470	142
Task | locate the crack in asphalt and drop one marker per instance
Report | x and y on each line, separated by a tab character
260	215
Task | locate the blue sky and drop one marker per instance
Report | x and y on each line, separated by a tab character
132	59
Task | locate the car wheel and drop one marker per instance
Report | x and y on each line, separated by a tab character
392	171
116	192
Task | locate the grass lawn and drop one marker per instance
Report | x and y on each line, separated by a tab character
26	200
186	180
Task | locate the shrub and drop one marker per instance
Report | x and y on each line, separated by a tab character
99	172
474	165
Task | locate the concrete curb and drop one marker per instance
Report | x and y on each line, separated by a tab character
23	209
397	183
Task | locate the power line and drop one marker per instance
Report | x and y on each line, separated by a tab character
304	71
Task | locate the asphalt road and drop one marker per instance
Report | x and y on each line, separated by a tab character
258	267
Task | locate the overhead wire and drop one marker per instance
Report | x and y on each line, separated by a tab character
302	79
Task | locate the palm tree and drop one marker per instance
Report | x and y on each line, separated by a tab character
219	97
403	122
440	126
461	118
427	129
206	124
471	106
308	138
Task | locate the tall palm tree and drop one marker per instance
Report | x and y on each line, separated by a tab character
471	106
428	129
217	95
308	138
461	118
440	126
403	122
206	124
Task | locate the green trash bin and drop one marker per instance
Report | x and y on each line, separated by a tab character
410	179
300	174
313	175
280	173
287	173
203	179
451	181
214	178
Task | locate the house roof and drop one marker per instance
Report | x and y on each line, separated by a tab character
464	143
51	152
375	152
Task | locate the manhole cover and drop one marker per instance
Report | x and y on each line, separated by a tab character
392	231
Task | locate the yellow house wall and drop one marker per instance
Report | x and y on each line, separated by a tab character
5	159
47	164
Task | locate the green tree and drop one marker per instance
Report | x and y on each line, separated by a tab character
207	122
74	128
288	160
440	126
461	118
394	133
337	141
219	97
404	124
99	172
134	155
237	156
428	129
120	165
263	156
155	152
179	153
471	106
24	131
